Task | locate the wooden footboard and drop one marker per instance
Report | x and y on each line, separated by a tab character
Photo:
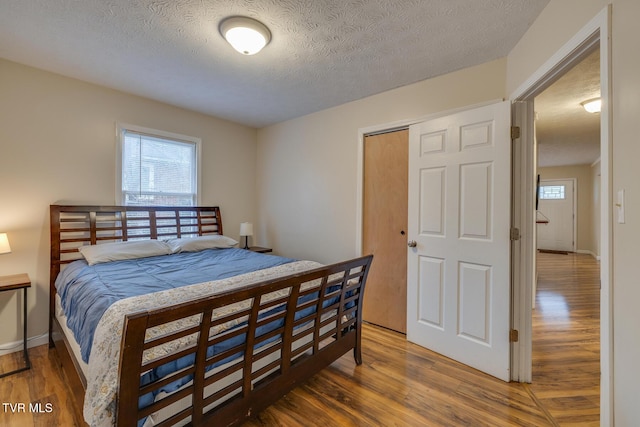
304	321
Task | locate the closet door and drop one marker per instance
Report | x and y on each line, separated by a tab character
386	162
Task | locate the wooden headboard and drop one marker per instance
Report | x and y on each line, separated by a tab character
75	226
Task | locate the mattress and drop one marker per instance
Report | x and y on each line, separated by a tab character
68	333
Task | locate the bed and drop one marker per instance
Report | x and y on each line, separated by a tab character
216	348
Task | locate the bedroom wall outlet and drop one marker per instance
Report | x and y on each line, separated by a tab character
620	206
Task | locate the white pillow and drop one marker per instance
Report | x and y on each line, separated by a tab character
194	244
95	254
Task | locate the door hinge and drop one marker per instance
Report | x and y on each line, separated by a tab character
515	233
515	132
513	335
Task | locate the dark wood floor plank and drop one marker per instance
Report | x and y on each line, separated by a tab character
41	390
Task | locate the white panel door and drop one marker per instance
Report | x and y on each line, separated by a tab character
556	203
458	295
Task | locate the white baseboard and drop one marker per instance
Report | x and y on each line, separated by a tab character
584	251
12	347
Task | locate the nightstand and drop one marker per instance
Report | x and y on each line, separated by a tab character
13	283
260	249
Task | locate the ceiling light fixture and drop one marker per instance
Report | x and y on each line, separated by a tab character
246	35
592	105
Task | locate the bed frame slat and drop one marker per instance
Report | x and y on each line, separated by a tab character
297	361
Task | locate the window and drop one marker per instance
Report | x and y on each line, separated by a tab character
157	168
552	192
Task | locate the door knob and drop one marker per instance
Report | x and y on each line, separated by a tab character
412	243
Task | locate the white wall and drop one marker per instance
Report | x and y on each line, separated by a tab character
57	145
307	167
557	23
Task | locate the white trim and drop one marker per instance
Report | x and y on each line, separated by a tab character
405	123
122	127
523	273
598	30
16	346
555	66
588	252
606	224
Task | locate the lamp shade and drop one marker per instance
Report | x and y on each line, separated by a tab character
246	35
4	244
246	229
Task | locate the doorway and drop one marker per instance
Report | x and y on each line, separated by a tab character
556	206
566	315
595	35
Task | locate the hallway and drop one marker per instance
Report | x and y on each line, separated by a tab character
566	338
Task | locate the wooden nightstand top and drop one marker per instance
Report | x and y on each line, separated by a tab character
14	281
260	249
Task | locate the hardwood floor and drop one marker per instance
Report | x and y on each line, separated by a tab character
401	384
39	396
566	338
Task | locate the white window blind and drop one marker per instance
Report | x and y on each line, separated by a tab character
157	170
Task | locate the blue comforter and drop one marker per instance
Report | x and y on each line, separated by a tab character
87	291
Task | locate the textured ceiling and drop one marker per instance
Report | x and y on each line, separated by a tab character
566	133
323	52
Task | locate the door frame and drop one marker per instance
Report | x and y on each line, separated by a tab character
574	202
595	33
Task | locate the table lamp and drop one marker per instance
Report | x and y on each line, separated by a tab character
246	230
4	244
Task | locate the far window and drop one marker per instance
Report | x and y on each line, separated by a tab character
552	192
157	168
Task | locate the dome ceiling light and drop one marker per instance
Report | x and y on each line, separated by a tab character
592	105
246	35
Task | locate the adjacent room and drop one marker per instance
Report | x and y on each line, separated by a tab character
566	327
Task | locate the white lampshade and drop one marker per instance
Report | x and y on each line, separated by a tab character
246	35
592	105
246	229
4	244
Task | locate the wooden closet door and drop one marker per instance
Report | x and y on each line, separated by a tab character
386	163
